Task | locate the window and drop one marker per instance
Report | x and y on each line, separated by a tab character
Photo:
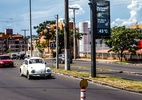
33	61
25	62
4	57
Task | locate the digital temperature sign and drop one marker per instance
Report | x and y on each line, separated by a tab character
103	19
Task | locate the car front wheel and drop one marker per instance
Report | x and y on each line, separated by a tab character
49	76
28	76
21	73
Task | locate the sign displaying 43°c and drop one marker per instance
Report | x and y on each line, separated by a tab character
103	18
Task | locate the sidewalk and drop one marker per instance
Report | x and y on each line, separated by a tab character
113	61
99	60
106	61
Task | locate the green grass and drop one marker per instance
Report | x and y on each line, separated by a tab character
105	79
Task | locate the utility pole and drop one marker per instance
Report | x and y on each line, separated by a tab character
67	36
74	26
25	37
31	47
57	64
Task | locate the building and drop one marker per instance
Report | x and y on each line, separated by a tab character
35	51
136	26
84	44
13	42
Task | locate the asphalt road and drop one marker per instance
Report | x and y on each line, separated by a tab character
118	67
126	71
59	87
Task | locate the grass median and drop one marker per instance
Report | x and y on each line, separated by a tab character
121	83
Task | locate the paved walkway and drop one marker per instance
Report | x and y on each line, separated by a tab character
99	60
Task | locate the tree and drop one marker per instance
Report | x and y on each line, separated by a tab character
45	29
48	30
8	51
123	39
40	47
61	38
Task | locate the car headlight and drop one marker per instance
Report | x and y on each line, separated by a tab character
48	70
1	63
63	58
32	71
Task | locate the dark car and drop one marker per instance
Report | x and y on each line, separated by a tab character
14	56
61	58
5	61
21	56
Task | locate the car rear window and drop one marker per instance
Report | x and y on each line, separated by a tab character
14	55
4	57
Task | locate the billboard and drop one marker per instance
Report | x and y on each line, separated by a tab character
103	19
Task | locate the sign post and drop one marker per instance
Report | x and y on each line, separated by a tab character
52	45
99	25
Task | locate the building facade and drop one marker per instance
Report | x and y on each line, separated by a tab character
136	26
85	43
14	43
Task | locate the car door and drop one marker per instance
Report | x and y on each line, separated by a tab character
25	67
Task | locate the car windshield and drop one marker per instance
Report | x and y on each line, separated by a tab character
61	55
14	55
4	57
33	61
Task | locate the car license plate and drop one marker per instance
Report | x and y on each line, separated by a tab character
7	64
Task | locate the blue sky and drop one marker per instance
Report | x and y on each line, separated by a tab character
15	13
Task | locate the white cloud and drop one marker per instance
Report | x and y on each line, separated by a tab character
77	12
135	15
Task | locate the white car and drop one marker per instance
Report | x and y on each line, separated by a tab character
35	66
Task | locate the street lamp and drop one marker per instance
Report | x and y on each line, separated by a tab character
25	38
74	26
30	29
57	64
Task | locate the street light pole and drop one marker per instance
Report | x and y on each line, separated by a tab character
25	37
30	29
74	30
57	64
93	23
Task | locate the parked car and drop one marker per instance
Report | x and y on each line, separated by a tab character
21	56
35	67
13	56
5	61
61	59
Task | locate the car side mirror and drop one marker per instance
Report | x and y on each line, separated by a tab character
23	63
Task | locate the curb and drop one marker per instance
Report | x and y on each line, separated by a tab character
98	82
